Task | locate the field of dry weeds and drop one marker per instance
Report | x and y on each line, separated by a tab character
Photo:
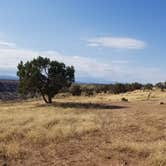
85	131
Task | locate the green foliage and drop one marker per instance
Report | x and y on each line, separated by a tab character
136	86
119	88
88	92
88	89
160	85
43	76
91	89
148	86
75	90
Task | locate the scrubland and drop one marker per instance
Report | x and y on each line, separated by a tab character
85	131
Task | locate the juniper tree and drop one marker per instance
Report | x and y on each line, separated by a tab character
45	77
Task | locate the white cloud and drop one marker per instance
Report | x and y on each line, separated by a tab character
9	58
86	67
116	42
8	45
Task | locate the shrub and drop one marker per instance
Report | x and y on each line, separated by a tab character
148	86
118	88
124	99
136	86
160	85
75	90
88	92
44	77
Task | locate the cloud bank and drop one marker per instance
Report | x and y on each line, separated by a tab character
116	42
87	69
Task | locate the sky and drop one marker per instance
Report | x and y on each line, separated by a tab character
105	40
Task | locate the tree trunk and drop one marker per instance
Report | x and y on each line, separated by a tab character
44	98
49	99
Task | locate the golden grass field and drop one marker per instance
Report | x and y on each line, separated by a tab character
85	131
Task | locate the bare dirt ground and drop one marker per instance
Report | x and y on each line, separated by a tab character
101	133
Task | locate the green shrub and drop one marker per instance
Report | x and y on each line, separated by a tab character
75	90
88	92
148	86
160	85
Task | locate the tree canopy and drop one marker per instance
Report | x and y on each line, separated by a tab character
45	77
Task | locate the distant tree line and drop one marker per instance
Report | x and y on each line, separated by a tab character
91	89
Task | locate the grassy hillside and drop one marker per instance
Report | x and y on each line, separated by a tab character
85	131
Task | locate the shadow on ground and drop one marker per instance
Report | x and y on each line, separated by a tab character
82	105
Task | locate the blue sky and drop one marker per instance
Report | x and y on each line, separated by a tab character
106	40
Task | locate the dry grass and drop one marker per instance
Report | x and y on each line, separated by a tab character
32	124
132	133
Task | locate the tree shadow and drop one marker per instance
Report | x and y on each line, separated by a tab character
82	105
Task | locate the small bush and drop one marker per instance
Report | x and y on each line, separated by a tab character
118	88
160	85
75	90
148	86
89	92
124	99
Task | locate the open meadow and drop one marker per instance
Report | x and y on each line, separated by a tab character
100	130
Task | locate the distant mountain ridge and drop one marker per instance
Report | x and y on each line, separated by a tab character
8	88
8	77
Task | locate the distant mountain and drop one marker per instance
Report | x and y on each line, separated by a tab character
81	80
8	85
91	80
8	88
8	77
